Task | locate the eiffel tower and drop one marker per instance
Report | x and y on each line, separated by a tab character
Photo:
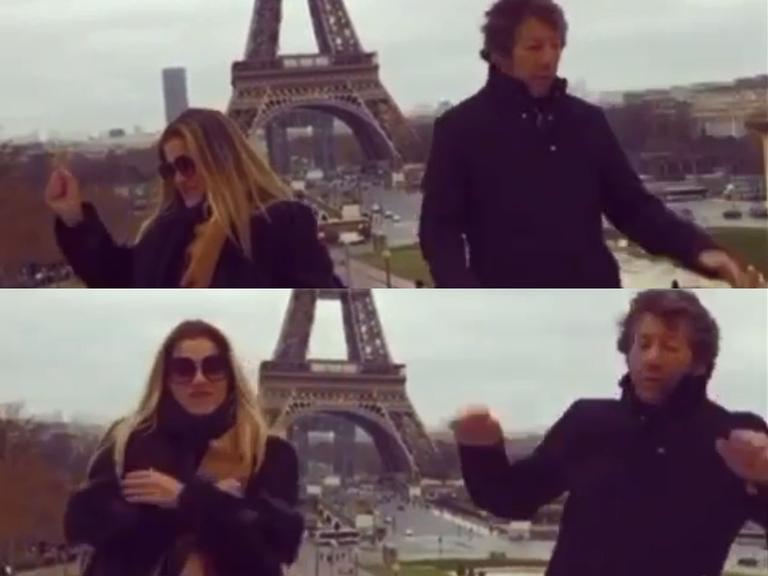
366	390
341	80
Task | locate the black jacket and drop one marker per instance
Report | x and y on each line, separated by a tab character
286	251
647	492
527	183
253	535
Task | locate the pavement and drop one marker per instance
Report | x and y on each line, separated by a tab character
58	570
357	274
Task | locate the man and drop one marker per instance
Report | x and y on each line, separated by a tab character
523	173
659	482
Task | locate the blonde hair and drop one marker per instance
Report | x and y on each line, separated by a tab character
238	181
250	427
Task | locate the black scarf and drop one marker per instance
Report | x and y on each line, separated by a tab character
177	444
165	244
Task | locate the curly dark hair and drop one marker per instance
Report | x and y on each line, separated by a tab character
504	18
674	307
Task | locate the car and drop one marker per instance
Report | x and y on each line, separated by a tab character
376	208
389	215
758	211
733	214
396	218
409	532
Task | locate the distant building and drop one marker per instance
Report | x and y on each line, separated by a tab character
609	99
98	147
443	107
718	109
724	110
579	89
175	92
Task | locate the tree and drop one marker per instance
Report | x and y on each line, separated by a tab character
38	469
10	157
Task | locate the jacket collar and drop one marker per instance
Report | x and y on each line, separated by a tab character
690	394
507	91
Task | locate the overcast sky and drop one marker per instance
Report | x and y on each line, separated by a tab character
528	354
90	65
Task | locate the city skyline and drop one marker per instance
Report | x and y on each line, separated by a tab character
528	354
126	46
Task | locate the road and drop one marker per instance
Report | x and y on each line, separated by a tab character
421	533
636	272
407	205
312	563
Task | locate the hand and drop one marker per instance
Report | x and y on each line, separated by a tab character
745	452
62	194
727	269
151	487
475	426
231	486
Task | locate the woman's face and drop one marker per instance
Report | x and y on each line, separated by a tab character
183	171
197	376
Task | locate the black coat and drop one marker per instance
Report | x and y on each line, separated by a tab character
286	251
244	536
526	182
647	492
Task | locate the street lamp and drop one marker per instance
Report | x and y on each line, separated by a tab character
346	241
387	255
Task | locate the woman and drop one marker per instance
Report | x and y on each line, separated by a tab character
224	220
190	484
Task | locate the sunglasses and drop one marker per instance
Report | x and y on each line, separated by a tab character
184	165
183	369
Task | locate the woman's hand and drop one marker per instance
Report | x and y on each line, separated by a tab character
475	426
62	194
151	487
231	486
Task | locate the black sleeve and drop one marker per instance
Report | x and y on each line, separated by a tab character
640	215
443	213
307	261
93	254
97	514
517	490
263	525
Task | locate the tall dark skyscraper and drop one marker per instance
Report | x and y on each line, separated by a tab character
175	91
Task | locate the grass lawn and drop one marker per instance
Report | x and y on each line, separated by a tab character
406	262
750	244
444	567
406	570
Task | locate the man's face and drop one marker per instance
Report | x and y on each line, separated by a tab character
535	57
659	357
